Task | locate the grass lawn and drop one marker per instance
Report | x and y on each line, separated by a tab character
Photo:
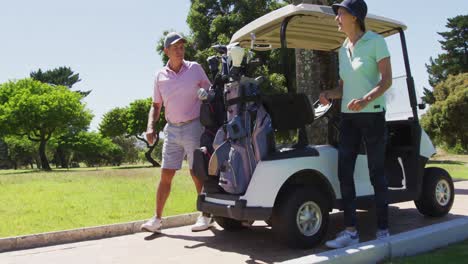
36	202
456	165
457	253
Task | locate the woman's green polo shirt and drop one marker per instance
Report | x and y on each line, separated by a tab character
360	72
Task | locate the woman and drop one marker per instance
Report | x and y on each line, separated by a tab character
365	75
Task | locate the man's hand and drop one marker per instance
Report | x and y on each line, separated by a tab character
151	136
202	94
323	98
357	104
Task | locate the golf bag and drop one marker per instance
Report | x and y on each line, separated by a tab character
244	140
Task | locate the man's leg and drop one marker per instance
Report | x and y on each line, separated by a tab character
197	182
164	189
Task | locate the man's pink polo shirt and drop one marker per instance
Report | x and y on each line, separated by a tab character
178	91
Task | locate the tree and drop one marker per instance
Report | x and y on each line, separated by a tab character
66	77
428	96
40	111
94	149
454	59
316	71
445	121
132	122
21	151
59	76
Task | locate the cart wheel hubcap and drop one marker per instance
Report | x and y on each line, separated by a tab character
442	192
309	218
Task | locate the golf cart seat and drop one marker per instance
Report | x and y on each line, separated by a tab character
290	112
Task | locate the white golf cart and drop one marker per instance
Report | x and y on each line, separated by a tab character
295	189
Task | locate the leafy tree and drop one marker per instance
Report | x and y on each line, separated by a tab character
66	77
40	111
21	151
129	147
454	59
428	96
59	76
132	121
95	150
445	121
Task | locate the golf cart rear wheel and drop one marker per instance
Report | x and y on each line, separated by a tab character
301	219
437	194
229	224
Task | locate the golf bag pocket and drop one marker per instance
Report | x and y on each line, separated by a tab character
263	138
235	172
220	155
235	128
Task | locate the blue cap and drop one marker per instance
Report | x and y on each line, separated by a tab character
172	38
357	8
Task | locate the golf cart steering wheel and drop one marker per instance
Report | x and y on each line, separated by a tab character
321	110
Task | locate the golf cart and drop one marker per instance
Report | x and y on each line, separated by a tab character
295	188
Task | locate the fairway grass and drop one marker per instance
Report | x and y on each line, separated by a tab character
33	201
36	202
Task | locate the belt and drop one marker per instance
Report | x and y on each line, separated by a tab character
181	123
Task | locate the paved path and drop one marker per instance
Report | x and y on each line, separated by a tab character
254	245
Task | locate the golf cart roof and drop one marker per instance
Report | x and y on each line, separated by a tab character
312	27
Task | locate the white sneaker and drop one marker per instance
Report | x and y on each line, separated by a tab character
382	234
344	239
153	225
203	223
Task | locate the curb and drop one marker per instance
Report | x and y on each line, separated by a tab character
403	244
88	233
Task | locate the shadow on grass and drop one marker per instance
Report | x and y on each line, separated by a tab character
446	162
134	167
13	172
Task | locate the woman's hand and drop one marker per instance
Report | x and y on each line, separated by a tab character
357	104
323	98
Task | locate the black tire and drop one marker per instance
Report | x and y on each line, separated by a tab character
436	180
229	224
286	217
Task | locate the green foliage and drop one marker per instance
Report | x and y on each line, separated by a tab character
59	76
130	121
40	111
21	150
95	150
428	97
454	60
445	121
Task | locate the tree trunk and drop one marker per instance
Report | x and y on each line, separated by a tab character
153	162
316	71
42	154
62	158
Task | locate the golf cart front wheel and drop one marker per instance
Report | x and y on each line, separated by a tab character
301	219
437	194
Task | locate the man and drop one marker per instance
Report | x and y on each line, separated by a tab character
176	87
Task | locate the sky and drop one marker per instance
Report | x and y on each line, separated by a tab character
112	44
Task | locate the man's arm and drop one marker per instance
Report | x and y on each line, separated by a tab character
153	117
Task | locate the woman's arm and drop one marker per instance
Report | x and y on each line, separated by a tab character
385	69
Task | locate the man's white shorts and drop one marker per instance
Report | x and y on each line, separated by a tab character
180	140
